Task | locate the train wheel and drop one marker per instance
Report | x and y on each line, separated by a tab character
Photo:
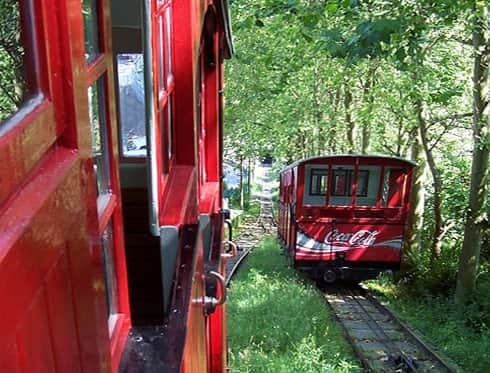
329	276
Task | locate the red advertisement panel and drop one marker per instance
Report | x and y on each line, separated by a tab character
357	242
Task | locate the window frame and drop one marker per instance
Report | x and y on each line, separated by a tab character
350	179
323	173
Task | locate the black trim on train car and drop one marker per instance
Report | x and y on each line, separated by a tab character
160	348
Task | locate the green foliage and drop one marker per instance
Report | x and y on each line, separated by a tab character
12	81
428	277
278	323
287	88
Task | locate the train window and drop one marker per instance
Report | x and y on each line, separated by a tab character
161	54
318	183
91	21
170	147
14	87
343	180
393	188
368	186
107	244
362	183
168	32
98	124
130	70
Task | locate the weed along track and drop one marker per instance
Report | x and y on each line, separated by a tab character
382	342
254	230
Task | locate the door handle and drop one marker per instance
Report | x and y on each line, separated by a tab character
234	250
210	303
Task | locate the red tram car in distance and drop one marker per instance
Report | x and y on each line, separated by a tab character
111	221
344	216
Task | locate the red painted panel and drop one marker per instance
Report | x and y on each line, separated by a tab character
40	225
396	188
8	360
367	242
23	146
217	335
34	338
62	317
180	203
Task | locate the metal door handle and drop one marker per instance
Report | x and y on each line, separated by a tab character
234	250
210	303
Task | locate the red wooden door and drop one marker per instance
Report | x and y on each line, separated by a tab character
62	274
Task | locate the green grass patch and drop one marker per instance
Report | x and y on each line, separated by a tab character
250	213
465	341
277	321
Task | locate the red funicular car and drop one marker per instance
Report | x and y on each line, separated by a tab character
344	216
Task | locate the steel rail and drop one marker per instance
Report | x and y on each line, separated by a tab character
402	352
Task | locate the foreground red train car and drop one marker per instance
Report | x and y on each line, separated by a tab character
343	217
111	242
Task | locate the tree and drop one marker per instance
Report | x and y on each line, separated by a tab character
476	218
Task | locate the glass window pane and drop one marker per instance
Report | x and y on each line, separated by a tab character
168	33
161	55
318	182
393	188
368	184
339	183
98	126
362	183
132	104
107	243
14	89
91	22
170	133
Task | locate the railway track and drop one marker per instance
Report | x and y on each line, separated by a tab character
254	230
382	342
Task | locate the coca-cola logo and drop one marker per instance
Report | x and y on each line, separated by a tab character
362	237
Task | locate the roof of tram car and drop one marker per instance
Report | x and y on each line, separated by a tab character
336	156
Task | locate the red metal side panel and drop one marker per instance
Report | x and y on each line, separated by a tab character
42	227
8	362
35	345
217	341
358	242
62	317
216	322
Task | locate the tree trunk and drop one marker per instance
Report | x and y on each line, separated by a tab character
249	183
475	219
366	122
348	118
438	233
241	184
332	133
417	201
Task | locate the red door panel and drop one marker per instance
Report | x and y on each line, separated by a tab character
59	297
34	343
44	260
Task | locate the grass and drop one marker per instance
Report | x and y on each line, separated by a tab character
251	212
466	342
278	323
